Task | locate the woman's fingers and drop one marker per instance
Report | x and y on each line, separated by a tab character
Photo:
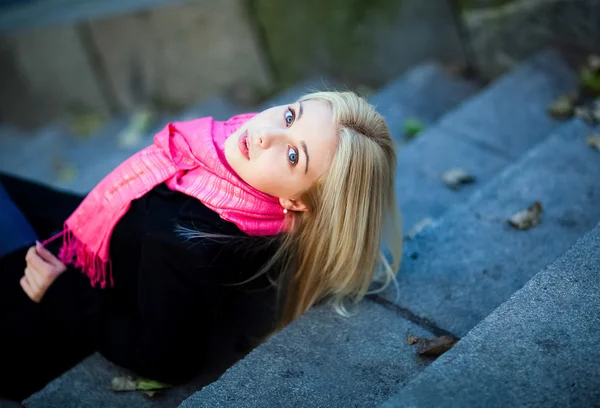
28	290
34	260
42	269
36	282
46	255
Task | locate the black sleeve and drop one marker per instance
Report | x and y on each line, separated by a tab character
179	300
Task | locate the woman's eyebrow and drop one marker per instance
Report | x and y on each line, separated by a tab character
300	110
303	144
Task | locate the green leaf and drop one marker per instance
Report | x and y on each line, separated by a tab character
145	384
590	80
412	127
594	142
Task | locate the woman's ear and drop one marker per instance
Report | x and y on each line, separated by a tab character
291	204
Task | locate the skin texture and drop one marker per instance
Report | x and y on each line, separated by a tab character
41	270
277	163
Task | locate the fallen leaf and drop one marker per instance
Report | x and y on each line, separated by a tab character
589	81
456	177
563	107
63	170
435	347
84	122
126	383
412	340
149	393
138	126
585	113
596	111
419	226
122	384
594	142
150	385
412	127
594	62
523	220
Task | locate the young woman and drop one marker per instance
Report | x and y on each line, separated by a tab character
202	244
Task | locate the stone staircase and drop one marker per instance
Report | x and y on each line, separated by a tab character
455	272
538	349
34	156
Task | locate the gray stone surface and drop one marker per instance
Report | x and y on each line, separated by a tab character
219	108
291	94
426	92
511	115
538	349
420	192
181	53
85	385
325	361
44	155
45	72
481	136
460	269
503	32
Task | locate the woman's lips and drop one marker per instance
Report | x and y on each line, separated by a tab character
243	146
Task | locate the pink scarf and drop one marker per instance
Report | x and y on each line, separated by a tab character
189	157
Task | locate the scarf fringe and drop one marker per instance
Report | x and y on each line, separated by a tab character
75	252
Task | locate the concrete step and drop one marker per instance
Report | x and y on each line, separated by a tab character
86	385
538	349
530	88
424	93
460	269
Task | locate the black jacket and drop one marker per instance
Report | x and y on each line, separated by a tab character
176	307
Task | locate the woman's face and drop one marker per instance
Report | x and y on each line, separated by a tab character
284	149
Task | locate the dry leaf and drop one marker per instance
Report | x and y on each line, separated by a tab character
412	340
455	177
122	384
585	113
433	347
594	142
562	107
596	111
523	220
594	62
419	226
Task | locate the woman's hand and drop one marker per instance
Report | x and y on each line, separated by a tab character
42	269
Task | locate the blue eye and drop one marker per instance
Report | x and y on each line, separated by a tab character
289	117
293	156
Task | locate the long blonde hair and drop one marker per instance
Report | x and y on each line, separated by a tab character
334	249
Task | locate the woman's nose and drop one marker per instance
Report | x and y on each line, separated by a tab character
269	136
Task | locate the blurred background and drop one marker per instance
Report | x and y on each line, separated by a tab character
81	79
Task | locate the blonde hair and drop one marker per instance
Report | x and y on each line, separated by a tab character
334	249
